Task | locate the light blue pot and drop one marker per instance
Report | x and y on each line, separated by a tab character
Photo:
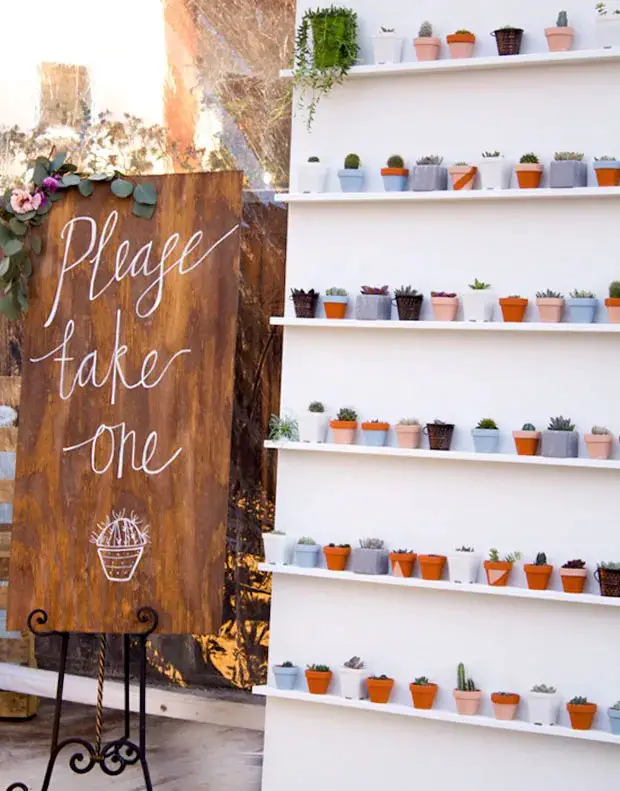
395	183
375	439
613	165
580	311
486	440
614	721
307	555
285	677
351	180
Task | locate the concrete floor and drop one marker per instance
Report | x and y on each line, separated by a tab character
181	755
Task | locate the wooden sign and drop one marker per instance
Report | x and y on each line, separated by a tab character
123	455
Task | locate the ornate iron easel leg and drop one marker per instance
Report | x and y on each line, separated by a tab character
143	761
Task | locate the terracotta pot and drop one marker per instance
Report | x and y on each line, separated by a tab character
529	175
498	572
467	703
336	557
444	308
402	563
343	431
431	566
513	308
334	310
607	177
581	715
526	442
559	39
427	48
408	436
379	689
505	706
550	309
613	309
537	576
598	445
573	580
463	176
423	695
461	45
318	681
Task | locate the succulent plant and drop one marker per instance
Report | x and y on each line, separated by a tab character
421	681
316	406
600	430
336	292
609	565
528	427
347	415
406	291
300	292
614	289
616	706
479	285
355	663
340	546
307	541
403	552
562	20
549	294
541	559
464	684
382	677
464	549
605	158
491	154
568	156
574	564
387	29
577	294
313	159
544	689
529	159
396	161
283	428
461	164
430	159
352	162
560	424
318	668
578	700
372	543
286	664
426	30
408	421
510	557
464	32
447	294
488	424
377	291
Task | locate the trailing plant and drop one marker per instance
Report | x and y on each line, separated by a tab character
600	430
541	559
430	159
307	540
372	543
286	664
316	406
510	557
396	161
478	285
529	159
464	684
406	291
347	415
609	565
614	289
560	424
544	689
578	700
549	294
528	427
464	549
352	162
568	156
574	564
318	668
447	294
487	423
355	663
408	421
491	154
426	30
336	292
421	681
562	20
377	291
283	428
577	294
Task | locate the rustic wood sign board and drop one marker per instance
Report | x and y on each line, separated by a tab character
125	416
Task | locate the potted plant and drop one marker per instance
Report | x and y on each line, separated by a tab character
486	436
550	305
307	553
305	302
573	575
560	37
581	307
607	26
352	677
312	176
505	705
462	175
439	434
336	556
373	304
379	688
277	547
495	172
318	678
466	696
560	440
529	172
538	573
283	429
526	440
607	171
423	693
607	575
543	705
568	170
408	432
408	303
335	303
581	713
344	426
395	174
446	303
463	565
498	570
352	175
371	557
431	566
402	561
375	433
614	718
285	675
426	45
478	302
508	40
313	423
612	303
513	308
598	443
461	44
429	174
387	47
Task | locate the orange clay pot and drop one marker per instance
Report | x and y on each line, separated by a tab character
537	576
402	563
505	706
336	557
379	689
334	310
581	715
431	566
498	572
423	695
598	445
613	309
343	431
444	308
529	175
608	177
526	442
573	580
461	44
318	681
463	176
513	308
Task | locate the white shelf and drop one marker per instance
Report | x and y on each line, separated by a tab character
444	455
415	582
446	326
438	715
415	68
544	193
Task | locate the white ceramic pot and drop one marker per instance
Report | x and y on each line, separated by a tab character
387	48
608	31
278	548
542	708
352	683
495	173
478	305
312	177
313	427
463	567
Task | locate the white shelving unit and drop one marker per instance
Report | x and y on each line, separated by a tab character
446	326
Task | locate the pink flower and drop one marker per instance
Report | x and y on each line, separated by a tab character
50	183
23	201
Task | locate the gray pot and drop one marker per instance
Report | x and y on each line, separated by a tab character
568	173
369	561
285	677
307	555
427	178
560	444
373	307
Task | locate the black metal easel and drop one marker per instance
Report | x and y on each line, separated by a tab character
115	756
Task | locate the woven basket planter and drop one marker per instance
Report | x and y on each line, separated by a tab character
439	435
409	307
609	581
305	305
508	40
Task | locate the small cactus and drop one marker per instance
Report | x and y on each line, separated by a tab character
541	559
318	668
313	159
422	681
529	159
528	427
601	430
614	289
396	161
464	684
317	407
578	700
426	30
487	423
352	162
286	664
336	292
347	415
562	20
307	541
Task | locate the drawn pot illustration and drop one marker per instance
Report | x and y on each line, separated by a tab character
581	715
423	695
526	442
343	431
285	677
336	557
379	689
402	563
318	681
498	572
467	703
537	576
513	308
408	436
573	580
505	705
431	566
375	434
120	542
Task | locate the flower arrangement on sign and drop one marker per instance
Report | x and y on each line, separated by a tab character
120	542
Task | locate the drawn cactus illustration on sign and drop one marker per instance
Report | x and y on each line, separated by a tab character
120	542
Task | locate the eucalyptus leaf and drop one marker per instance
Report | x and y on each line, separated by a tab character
142	210
55	196
44	208
27	215
27	267
10	307
4	235
36	221
71	180
58	161
18	227
42	161
12	246
121	188
145	193
40	173
36	244
86	188
22	299
4	266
